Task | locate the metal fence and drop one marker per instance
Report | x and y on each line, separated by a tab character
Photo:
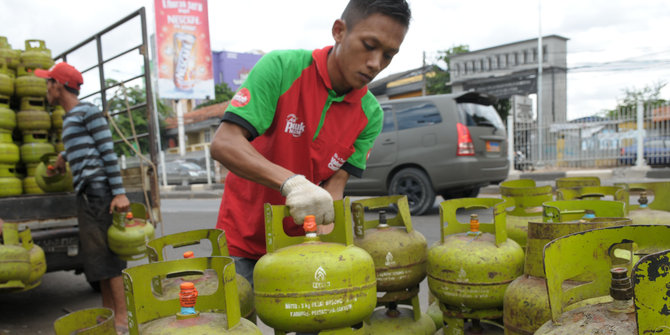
637	135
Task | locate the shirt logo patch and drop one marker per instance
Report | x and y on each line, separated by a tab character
241	98
336	162
293	127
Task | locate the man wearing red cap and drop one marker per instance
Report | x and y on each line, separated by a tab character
97	180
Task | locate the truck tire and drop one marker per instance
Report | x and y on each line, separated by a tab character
415	184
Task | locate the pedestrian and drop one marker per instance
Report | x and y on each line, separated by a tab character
301	123
89	149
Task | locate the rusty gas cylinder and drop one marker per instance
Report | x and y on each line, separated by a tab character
398	250
526	303
616	317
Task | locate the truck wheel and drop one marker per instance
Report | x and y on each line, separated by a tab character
416	185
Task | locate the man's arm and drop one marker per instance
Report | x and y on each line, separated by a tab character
102	136
336	183
232	149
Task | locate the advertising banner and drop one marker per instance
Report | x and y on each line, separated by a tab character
183	50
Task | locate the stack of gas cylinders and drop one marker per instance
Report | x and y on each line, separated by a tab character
21	90
486	275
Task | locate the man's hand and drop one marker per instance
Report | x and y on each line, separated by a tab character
304	198
60	166
120	202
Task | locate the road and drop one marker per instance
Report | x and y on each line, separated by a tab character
34	311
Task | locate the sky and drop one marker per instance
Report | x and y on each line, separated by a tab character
613	45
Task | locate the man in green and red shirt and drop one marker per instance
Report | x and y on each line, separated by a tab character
302	122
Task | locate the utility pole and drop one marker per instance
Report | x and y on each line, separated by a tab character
423	75
540	59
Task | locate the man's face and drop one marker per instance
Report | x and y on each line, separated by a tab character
53	91
364	51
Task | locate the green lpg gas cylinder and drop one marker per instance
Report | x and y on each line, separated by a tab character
129	232
14	259
570	210
526	303
313	283
38	263
11	56
616	193
527	199
10	186
588	255
647	211
169	287
36	55
32	152
7	116
33	104
90	321
57	114
578	181
192	312
9	152
6	79
399	251
30	186
48	179
472	269
28	120
27	84
33	115
7	170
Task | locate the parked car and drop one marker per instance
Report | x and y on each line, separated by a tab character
656	151
451	145
181	172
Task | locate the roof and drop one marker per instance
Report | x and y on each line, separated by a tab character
198	115
377	86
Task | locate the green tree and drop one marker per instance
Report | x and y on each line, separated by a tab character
117	105
221	93
650	95
438	76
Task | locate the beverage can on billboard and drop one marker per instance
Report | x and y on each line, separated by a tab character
184	54
183	61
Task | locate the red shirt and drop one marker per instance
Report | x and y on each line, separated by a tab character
297	121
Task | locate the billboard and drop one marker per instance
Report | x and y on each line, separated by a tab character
233	68
183	51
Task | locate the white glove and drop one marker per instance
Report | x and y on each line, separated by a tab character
304	198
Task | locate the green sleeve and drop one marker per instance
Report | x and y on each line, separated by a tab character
367	137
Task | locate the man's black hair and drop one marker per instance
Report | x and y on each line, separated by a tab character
71	90
358	10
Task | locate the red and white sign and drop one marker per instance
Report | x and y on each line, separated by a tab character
184	53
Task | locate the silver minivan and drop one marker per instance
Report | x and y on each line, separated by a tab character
449	145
